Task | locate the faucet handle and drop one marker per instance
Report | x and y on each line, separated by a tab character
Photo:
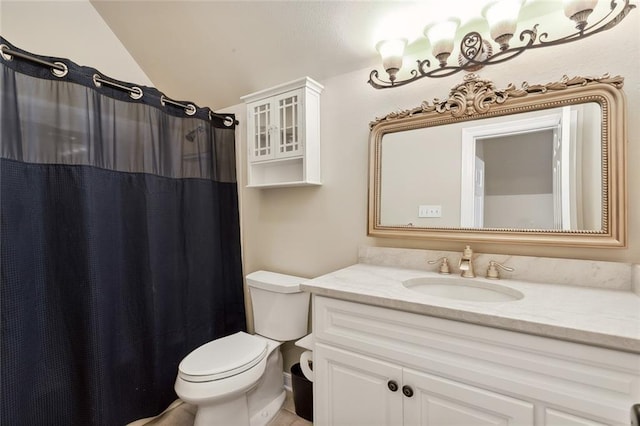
492	270
444	266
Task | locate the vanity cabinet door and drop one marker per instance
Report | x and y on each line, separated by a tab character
352	389
559	418
439	401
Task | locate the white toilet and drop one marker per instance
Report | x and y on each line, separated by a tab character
237	379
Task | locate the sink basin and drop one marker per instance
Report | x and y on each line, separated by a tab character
462	289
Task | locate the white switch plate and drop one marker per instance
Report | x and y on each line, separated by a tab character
429	211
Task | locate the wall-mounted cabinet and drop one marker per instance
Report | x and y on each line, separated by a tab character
283	135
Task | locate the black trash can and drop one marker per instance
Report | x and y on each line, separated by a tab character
302	393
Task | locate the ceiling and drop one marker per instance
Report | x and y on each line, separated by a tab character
213	52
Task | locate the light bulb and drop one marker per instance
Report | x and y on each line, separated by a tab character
391	52
441	35
578	11
502	17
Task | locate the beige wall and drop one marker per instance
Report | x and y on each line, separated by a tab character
69	29
523	211
311	231
421	167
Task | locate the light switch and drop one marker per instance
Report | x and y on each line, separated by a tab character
429	211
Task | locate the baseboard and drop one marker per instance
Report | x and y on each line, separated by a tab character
287	381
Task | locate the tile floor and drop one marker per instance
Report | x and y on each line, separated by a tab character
287	415
182	414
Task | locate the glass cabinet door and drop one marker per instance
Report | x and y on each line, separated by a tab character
276	127
262	134
289	140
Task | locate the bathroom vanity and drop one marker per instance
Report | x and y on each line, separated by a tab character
557	343
387	353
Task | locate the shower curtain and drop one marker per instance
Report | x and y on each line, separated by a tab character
119	242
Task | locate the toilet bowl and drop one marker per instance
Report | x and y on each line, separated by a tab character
238	379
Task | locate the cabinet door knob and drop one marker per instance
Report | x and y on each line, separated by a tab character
392	385
407	391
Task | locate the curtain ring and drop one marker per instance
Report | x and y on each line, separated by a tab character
5	56
95	80
162	102
135	92
228	121
60	73
190	109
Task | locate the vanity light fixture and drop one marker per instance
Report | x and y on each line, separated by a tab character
391	52
476	51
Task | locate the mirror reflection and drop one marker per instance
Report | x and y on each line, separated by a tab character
534	170
535	164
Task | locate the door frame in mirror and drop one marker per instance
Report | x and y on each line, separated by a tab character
476	98
469	136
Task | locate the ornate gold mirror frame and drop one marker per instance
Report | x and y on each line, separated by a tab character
476	98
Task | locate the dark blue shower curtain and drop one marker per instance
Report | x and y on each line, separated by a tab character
119	245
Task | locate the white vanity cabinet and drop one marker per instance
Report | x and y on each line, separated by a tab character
352	389
364	390
283	135
379	366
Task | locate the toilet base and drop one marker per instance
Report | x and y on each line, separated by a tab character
229	413
264	416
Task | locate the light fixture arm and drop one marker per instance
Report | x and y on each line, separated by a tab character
475	52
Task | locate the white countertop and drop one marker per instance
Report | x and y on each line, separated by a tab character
608	318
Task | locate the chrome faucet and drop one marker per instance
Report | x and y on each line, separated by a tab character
466	263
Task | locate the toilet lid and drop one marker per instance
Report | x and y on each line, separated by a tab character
223	358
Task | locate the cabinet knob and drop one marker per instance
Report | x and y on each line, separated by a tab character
392	385
407	391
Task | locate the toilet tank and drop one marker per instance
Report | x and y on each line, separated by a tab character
280	308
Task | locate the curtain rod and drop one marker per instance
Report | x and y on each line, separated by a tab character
59	69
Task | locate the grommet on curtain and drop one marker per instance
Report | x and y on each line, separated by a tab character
190	109
227	120
96	80
5	56
60	72
135	92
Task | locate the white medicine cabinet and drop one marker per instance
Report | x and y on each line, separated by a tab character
283	135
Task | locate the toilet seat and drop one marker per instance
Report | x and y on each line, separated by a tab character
222	358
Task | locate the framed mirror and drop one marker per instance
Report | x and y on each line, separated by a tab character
539	164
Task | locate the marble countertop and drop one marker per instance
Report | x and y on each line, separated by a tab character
601	317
